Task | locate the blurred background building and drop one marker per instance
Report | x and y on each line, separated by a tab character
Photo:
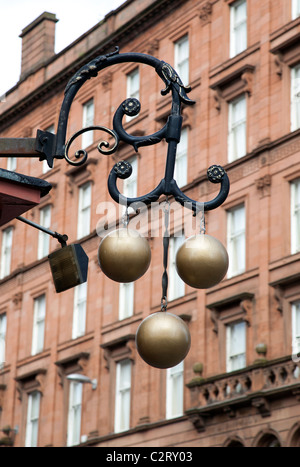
240	383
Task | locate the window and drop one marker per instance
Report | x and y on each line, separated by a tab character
79	310
126	300
295	216
176	284
237	128
11	164
2	338
88	120
180	172
44	238
74	415
235	346
7	235
123	389
238	27
296	328
32	425
181	61
84	210
295	98
133	87
130	183
236	242
295	9
39	314
175	391
46	167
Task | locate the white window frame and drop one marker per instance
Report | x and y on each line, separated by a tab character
295	216
6	248
181	58
233	354
44	238
175	391
32	425
181	163
74	413
79	310
296	328
295	9
126	300
84	210
238	42
38	329
3	320
236	241
176	287
237	128
11	164
123	396
133	87
88	114
295	97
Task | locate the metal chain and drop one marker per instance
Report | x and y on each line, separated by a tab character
166	241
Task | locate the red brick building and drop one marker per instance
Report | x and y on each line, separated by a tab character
240	382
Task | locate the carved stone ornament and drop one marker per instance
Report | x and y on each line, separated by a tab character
205	13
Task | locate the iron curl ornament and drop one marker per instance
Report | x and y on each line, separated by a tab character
162	339
170	132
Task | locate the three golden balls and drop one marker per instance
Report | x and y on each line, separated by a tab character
202	261
163	340
124	255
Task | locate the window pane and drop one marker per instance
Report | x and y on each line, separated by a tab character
296	327
11	163
44	239
133	87
175	391
181	64
79	311
237	128
295	98
74	417
236	346
176	285
238	27
84	210
38	325
88	120
32	419
6	247
2	338
295	8
236	242
295	216
123	389
180	172
126	300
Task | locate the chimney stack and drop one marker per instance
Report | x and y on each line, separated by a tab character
38	39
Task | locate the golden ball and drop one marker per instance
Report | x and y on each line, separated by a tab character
163	340
124	255
202	261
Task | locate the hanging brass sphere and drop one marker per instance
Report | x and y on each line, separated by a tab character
163	340
124	255
202	261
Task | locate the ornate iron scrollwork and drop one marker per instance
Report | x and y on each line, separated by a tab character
131	107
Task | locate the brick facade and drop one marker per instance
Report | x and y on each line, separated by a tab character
255	405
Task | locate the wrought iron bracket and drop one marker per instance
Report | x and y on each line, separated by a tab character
48	146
